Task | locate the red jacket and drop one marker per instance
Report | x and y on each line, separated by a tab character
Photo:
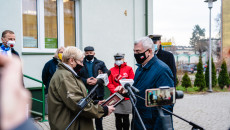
117	73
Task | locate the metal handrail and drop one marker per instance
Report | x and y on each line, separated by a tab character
43	96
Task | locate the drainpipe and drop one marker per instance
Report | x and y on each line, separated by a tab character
146	17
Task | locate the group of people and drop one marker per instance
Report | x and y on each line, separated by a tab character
71	75
151	73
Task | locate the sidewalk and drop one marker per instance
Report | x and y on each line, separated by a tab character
211	111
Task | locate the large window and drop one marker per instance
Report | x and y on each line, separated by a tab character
69	23
30	32
49	24
50	13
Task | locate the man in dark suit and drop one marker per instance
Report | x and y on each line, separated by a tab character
8	42
165	56
92	68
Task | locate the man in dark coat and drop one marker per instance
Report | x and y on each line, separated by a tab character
8	42
163	55
151	73
92	68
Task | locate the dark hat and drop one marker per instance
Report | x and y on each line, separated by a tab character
89	48
119	56
155	37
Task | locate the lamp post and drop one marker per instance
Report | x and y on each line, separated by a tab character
210	2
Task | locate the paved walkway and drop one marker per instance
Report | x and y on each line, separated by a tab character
211	111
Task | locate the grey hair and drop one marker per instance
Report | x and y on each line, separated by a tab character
72	52
146	42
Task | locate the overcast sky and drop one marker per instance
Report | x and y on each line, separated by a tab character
177	18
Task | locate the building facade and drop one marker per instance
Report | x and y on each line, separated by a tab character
41	26
226	30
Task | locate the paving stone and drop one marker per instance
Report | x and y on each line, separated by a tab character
210	110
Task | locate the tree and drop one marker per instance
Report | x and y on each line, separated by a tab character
214	79
223	78
186	82
177	81
197	41
199	79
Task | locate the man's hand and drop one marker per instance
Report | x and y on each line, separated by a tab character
91	81
15	99
110	109
120	89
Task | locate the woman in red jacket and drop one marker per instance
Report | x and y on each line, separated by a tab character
121	71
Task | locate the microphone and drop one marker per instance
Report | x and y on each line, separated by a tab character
128	83
103	78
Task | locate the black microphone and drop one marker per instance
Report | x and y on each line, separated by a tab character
133	88
127	86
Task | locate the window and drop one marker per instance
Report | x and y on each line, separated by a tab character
50	13
49	24
30	32
69	23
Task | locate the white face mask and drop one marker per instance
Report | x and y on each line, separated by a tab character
10	44
119	62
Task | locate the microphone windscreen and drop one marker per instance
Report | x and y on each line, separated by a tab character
100	81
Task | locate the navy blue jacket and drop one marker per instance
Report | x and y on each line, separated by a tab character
153	75
48	71
83	73
169	60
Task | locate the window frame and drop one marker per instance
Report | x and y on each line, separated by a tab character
60	28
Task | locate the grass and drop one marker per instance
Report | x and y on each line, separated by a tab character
195	90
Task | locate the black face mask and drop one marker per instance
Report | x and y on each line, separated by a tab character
77	68
89	57
140	58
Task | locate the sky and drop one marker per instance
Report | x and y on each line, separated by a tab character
177	18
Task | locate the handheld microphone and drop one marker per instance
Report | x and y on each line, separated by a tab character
103	78
128	83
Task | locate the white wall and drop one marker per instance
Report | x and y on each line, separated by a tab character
11	19
105	26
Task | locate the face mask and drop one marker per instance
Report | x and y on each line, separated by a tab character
60	56
156	47
119	62
77	68
89	57
140	58
10	44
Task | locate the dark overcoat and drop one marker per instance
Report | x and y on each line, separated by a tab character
169	60
97	65
48	71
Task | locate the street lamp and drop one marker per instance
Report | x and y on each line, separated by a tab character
210	46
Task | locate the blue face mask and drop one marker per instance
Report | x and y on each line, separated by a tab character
155	47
